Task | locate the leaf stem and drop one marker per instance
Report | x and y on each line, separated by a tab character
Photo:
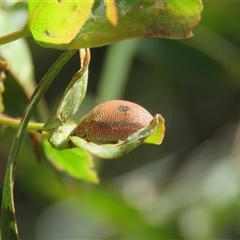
8	220
14	123
24	32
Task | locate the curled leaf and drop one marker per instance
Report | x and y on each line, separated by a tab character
76	89
58	137
69	104
154	134
158	134
51	124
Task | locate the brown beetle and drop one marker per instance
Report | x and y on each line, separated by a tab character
112	121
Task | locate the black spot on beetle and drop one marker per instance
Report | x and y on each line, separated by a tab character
123	108
104	125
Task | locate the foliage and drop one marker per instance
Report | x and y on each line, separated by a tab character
185	189
51	26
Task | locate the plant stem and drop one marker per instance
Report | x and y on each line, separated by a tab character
24	32
14	123
8	220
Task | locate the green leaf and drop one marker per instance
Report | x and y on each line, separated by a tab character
111	12
76	162
51	124
57	22
59	136
17	56
158	134
136	19
69	104
75	92
154	134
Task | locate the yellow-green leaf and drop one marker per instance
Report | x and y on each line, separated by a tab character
57	22
158	134
111	11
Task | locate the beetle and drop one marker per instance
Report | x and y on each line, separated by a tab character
112	121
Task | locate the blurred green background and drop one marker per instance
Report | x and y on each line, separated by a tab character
186	188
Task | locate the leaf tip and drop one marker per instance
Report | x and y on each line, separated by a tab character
111	12
159	131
